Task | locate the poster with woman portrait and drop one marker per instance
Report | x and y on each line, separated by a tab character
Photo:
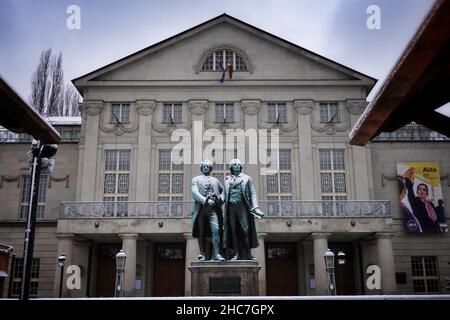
421	199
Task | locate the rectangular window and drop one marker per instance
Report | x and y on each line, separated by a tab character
329	112
170	185
279	185
16	277
117	182
277	112
25	196
120	113
224	112
333	185
172	113
221	167
425	274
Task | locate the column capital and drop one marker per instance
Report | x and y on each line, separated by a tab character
262	235
384	235
320	235
198	107
303	107
250	107
356	106
145	107
92	107
188	236
129	236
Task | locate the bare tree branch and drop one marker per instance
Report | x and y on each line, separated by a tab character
49	96
56	88
39	82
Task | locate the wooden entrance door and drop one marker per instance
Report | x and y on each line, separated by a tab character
344	274
281	269
169	270
106	269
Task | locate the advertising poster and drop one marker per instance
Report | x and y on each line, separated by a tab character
421	199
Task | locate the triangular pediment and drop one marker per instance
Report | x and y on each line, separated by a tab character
178	58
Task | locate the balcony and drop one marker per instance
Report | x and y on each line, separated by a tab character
182	209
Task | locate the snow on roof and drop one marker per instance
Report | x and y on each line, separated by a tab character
64	120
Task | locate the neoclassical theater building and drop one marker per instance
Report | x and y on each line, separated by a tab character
114	185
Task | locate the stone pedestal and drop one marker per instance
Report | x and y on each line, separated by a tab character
227	278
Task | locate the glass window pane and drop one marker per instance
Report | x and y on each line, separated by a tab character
219	112
271	112
338	159
285	182
208	64
282	111
164	160
125	113
326	183
285	159
177	113
164	183
325	159
167	113
115	112
240	63
219	60
230	112
124	160
111	160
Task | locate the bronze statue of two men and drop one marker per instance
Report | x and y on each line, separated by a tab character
235	230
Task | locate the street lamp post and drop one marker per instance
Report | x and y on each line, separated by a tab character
121	258
61	262
40	159
329	263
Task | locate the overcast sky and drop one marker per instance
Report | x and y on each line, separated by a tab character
112	29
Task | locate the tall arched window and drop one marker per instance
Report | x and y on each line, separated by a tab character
218	60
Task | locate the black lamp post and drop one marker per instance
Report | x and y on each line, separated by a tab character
121	258
40	163
329	263
61	262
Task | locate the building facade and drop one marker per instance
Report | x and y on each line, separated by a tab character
116	185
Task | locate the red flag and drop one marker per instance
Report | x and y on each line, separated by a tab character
230	69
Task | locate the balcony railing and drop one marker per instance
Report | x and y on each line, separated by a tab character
412	132
182	209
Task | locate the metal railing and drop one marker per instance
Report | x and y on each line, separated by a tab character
182	209
68	134
412	132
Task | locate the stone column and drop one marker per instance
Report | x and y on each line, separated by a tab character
65	245
386	263
129	247
191	256
88	151
251	109
145	110
304	108
260	254
320	246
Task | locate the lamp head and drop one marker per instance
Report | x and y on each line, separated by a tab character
121	257
61	259
329	259
341	257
